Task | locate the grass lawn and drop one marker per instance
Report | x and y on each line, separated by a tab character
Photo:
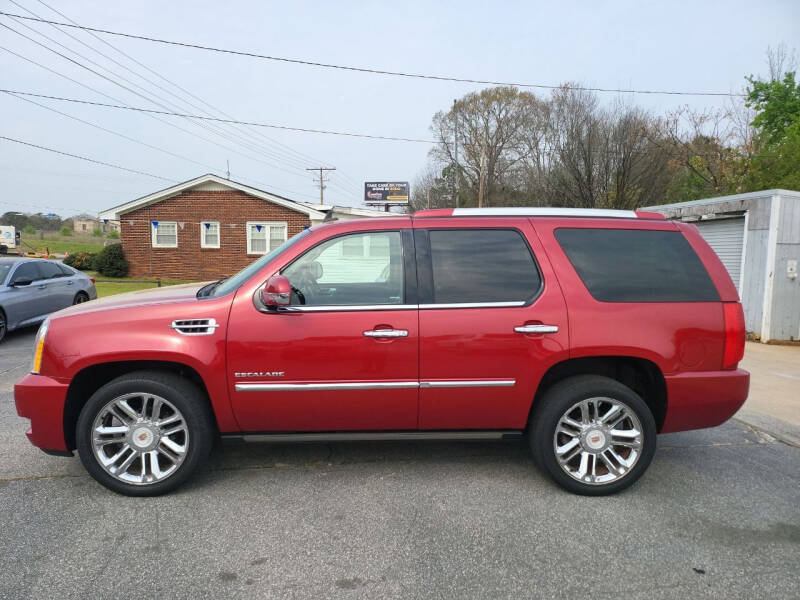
61	244
108	286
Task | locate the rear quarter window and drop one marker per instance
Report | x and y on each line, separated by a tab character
633	265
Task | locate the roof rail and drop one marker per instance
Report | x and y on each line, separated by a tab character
525	211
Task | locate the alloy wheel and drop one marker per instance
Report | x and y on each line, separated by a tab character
598	440
140	438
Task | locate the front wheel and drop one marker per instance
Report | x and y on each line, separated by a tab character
593	435
144	433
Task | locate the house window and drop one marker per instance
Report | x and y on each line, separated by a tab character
209	234
263	237
83	226
165	234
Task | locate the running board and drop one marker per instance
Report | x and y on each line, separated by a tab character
375	436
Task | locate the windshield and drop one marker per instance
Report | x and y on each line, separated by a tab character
4	269
232	283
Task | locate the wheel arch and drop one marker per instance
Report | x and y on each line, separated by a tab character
90	379
641	375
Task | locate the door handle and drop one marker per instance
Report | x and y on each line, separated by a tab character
386	333
70	282
41	287
536	329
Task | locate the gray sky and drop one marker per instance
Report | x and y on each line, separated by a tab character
675	45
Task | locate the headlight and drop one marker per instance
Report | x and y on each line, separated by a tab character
38	346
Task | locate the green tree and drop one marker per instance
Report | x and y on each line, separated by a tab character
29	229
66	231
777	104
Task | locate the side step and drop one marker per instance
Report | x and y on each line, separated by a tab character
375	436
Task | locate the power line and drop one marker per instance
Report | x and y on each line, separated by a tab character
372	71
91	160
149	99
253	123
178	127
304	157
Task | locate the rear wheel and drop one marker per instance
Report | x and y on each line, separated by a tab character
3	325
592	435
144	433
80	298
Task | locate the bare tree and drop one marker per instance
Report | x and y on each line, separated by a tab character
490	130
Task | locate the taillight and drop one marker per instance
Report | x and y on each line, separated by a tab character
734	334
91	279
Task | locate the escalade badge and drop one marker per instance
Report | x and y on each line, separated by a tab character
260	374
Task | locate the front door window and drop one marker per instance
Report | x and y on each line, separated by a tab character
356	269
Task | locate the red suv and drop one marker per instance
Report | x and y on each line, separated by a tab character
586	331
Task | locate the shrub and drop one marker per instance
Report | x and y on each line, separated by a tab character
83	261
97	232
28	229
111	261
66	231
113	235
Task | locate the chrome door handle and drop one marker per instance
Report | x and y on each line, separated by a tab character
536	329
386	333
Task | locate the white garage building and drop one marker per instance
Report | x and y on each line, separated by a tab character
757	237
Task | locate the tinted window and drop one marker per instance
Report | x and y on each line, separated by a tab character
66	270
360	268
481	265
4	269
625	265
28	270
50	270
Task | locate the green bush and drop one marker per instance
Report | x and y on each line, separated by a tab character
111	261
97	232
28	229
83	261
113	235
66	231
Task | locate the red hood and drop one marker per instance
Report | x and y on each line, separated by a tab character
171	294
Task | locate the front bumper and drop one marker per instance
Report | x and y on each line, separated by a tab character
41	399
704	399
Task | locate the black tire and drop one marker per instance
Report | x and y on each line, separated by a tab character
80	298
186	398
557	401
3	325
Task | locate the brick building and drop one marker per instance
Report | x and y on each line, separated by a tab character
210	227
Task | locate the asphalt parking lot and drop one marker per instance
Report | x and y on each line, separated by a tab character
716	516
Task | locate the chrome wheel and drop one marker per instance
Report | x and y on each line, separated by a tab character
598	440
140	438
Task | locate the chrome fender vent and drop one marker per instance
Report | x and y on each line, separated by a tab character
194	326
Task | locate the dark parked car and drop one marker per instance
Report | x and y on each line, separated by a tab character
31	289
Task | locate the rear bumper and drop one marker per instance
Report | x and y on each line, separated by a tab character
41	399
704	399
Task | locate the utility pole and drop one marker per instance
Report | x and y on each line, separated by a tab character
482	179
321	179
455	138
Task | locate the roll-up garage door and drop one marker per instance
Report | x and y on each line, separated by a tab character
726	237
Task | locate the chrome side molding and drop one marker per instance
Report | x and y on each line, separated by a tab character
370	385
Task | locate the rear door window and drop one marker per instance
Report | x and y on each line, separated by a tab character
482	265
632	265
50	270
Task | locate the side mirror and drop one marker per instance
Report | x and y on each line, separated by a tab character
20	282
277	292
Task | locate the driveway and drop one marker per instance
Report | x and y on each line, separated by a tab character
716	516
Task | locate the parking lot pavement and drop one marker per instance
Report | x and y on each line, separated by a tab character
716	516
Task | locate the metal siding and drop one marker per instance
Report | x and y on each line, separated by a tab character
726	238
785	321
752	293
